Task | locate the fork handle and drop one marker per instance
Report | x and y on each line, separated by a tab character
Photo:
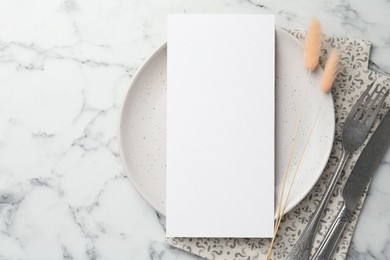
302	248
328	245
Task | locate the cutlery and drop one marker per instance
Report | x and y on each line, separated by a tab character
358	180
355	130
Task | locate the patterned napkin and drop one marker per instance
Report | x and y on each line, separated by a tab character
351	80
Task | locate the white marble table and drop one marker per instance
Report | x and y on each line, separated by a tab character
64	68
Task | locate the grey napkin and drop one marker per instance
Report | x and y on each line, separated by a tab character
353	77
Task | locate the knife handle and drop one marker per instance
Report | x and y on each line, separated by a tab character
327	246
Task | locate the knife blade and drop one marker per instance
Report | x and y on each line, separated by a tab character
358	180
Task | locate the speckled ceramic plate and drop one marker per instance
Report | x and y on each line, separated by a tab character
142	124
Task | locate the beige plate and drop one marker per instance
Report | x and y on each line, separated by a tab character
142	124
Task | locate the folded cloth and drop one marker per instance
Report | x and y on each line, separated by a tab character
353	77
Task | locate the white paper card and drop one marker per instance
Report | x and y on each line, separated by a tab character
220	126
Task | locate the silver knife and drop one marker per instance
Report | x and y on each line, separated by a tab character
358	180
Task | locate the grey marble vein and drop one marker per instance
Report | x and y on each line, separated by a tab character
65	66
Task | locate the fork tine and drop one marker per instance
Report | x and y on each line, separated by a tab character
369	108
370	120
358	103
367	101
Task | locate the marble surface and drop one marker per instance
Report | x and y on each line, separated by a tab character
64	68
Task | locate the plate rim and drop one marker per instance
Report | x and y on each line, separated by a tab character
119	127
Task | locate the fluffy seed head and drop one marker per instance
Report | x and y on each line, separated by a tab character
313	45
330	72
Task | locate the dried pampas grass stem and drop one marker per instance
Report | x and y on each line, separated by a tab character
311	58
286	170
299	163
329	75
281	208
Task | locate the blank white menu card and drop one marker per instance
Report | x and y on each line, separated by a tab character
220	126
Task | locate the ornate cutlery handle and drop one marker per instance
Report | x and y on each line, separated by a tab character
327	246
302	248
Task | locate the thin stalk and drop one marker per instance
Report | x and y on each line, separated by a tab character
300	160
297	126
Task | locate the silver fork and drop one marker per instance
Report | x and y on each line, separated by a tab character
355	130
